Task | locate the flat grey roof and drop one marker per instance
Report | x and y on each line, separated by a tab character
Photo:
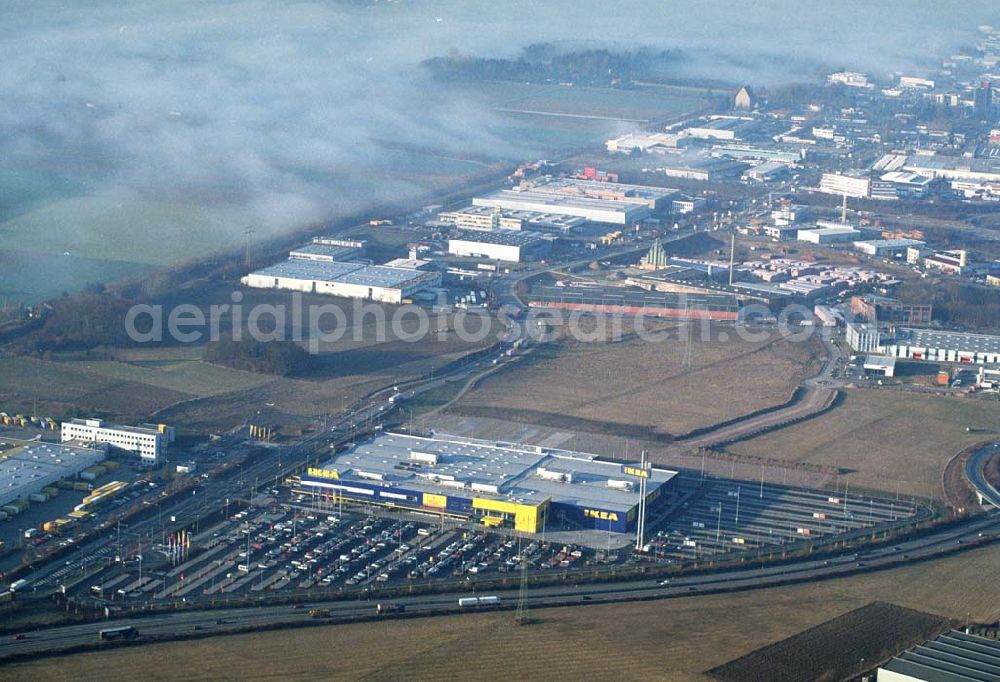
522	214
326	250
311	270
952	657
26	461
958	341
890	243
649	192
505	237
553	201
381	276
829	230
511	467
112	427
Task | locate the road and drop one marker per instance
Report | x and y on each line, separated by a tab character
969	533
820	391
974	472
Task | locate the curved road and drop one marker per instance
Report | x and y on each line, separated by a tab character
975	471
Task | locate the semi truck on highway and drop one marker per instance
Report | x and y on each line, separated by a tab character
479	601
383	608
124	632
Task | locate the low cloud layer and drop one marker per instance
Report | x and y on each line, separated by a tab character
287	107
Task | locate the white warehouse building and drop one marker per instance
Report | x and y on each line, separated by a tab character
28	466
148	440
829	235
348	280
507	246
595	210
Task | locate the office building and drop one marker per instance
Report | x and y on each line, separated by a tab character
858	186
148	440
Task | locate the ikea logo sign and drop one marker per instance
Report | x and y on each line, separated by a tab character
323	473
598	514
635	471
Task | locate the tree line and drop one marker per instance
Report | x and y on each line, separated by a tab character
282	358
544	62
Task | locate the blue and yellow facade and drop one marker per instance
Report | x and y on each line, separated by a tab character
529	517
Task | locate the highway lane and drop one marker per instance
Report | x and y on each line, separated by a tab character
968	533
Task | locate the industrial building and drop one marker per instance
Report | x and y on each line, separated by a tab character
873	308
722	128
593	210
656	198
781	233
594	201
28	466
744	152
851	79
324	253
953	657
954	167
349	280
769	171
487	218
621	301
703	169
653	143
828	235
908	185
942	346
147	440
495	483
886	247
509	246
685	206
880	364
953	262
788	213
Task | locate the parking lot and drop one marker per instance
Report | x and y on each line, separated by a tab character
289	545
722	516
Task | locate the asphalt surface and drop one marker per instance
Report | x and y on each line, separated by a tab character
974	472
969	533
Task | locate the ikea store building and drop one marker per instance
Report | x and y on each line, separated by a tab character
495	483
